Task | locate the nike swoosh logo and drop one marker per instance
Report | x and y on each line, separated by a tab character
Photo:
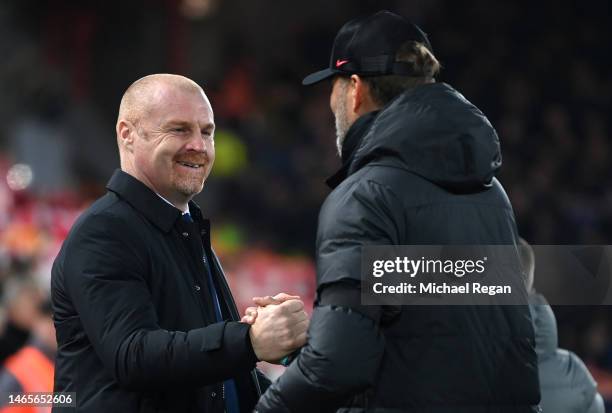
340	62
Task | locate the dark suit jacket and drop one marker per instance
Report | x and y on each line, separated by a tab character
136	329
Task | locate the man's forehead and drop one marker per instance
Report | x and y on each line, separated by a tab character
169	93
181	104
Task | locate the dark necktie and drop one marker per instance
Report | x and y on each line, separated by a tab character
229	386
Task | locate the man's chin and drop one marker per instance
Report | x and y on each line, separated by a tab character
190	189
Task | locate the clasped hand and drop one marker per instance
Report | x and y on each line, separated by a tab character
278	326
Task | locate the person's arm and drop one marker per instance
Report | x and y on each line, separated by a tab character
104	275
345	346
340	359
582	384
597	405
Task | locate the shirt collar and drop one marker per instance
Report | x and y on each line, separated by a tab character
154	207
170	203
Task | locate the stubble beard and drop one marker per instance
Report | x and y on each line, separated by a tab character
342	125
189	186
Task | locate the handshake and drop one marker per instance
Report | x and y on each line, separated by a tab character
278	326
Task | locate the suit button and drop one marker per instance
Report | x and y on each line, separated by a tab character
213	395
197	287
203	232
185	234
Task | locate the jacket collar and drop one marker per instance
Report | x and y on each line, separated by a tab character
354	135
147	202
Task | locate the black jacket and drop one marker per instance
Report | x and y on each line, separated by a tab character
565	382
135	325
421	172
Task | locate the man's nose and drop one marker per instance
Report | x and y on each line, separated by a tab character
197	143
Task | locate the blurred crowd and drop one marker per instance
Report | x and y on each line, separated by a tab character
540	71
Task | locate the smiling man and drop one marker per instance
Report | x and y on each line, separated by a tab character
144	317
154	139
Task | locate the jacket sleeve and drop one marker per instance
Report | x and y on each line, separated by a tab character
340	360
597	405
104	271
581	381
367	214
345	346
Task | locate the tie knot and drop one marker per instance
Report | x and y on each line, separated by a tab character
187	217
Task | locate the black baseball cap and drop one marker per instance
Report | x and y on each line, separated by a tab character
367	46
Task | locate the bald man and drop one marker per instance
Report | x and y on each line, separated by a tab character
144	317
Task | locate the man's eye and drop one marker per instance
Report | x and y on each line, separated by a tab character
179	129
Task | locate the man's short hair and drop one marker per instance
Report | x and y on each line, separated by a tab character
385	88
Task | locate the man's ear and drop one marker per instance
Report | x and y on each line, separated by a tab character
356	90
361	98
125	134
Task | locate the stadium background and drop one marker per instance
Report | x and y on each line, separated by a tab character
539	70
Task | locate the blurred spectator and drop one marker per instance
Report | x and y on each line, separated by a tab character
566	386
21	299
31	368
